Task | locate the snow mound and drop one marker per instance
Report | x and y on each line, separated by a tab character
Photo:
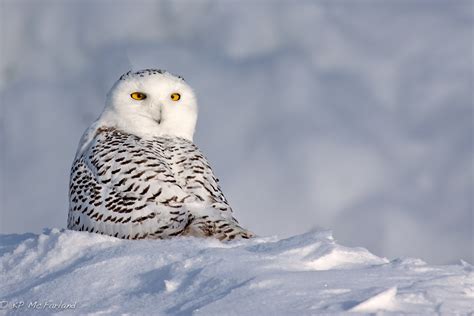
69	272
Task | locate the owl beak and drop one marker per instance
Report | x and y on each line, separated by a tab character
161	115
158	118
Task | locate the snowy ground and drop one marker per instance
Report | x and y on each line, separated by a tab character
301	275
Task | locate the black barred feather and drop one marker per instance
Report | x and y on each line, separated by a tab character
134	188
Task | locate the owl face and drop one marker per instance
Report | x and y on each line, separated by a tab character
152	103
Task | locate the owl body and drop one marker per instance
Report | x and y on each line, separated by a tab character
148	180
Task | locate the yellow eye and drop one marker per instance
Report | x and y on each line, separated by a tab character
138	96
175	96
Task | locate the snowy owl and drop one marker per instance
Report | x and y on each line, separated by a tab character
137	173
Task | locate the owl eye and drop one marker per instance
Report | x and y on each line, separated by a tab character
138	96
175	96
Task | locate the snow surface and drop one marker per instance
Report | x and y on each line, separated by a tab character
300	275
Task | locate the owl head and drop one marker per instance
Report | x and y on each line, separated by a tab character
151	102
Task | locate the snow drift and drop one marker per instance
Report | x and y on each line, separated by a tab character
76	272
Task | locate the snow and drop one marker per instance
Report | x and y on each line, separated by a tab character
300	275
356	117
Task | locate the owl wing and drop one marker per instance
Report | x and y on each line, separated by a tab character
123	186
213	214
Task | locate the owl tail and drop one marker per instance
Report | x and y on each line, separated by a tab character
222	229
